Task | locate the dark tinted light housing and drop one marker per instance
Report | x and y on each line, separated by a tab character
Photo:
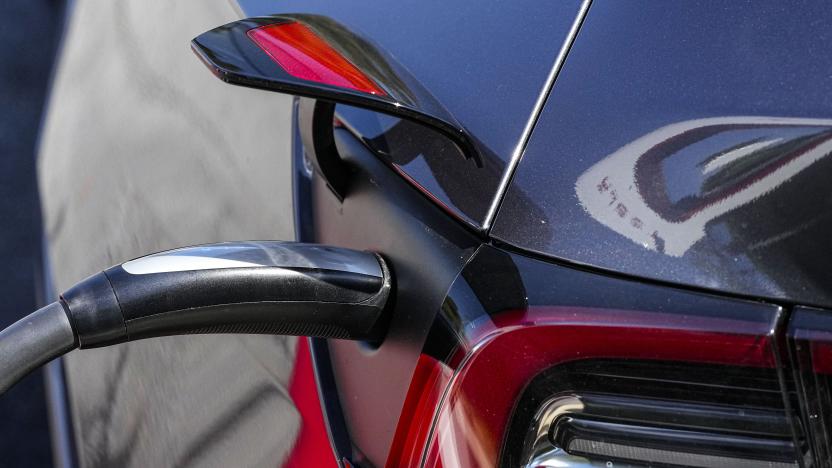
810	346
641	363
640	413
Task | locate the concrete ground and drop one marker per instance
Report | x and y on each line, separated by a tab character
144	150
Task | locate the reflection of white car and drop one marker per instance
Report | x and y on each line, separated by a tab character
727	162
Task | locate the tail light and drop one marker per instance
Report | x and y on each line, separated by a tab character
534	364
655	413
810	346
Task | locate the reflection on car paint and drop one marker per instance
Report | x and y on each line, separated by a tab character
426	159
662	190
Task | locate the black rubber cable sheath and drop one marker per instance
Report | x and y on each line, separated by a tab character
32	341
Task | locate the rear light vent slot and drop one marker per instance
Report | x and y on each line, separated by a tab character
642	413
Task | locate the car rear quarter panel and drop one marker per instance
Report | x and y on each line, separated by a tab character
687	143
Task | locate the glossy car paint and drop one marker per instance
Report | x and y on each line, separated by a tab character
430	161
478	60
380	403
216	179
335	64
385	214
687	143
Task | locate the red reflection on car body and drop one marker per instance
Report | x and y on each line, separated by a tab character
429	379
303	54
312	447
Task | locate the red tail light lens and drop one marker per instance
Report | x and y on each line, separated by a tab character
666	367
430	378
483	393
311	447
303	54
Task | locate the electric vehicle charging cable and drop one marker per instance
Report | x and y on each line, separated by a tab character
255	287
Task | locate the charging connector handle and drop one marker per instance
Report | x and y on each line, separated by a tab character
263	287
266	287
